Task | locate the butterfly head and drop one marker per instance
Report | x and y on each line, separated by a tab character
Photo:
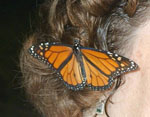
76	46
76	42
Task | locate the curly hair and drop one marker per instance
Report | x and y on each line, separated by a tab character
100	24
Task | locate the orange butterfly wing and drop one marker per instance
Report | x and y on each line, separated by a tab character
72	74
52	54
101	67
62	59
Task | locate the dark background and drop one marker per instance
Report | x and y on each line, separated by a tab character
16	22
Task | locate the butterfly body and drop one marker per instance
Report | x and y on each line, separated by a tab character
78	66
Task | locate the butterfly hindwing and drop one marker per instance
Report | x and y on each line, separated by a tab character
95	79
102	67
72	75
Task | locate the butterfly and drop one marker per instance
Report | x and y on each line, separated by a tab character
79	66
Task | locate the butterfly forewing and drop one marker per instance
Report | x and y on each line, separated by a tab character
55	55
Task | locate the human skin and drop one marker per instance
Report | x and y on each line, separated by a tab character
132	99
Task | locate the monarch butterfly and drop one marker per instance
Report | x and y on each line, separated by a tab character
78	66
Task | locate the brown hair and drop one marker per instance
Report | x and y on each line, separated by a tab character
97	23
